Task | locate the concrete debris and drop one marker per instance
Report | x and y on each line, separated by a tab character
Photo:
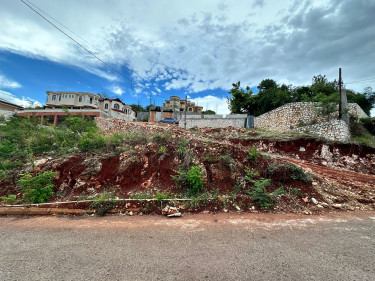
307	212
305	199
314	201
174	215
168	210
337	206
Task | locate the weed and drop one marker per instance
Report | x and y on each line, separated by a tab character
161	196
162	150
197	201
260	195
104	203
142	195
11	199
226	161
251	174
162	139
253	154
296	191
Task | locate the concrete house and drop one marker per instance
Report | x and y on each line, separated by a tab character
176	103
79	103
115	107
7	109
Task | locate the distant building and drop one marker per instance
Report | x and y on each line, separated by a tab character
72	100
176	103
80	103
7	109
115	105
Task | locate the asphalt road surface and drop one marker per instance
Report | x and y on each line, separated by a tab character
193	247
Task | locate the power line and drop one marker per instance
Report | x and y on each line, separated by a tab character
29	2
79	44
362	81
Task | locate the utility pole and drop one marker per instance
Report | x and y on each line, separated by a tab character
185	111
340	93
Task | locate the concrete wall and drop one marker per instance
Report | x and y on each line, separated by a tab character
6	113
332	130
214	121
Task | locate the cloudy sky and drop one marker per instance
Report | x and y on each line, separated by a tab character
153	49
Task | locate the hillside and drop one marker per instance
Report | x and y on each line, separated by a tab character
218	169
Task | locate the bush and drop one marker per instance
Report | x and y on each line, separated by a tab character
283	172
37	189
90	143
253	154
193	178
260	195
369	124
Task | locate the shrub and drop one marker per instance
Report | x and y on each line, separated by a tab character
260	195
283	172
253	154
369	124
80	124
193	178
251	174
92	143
37	189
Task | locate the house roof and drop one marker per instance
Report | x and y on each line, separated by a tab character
10	104
117	99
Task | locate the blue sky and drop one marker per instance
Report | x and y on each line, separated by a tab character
180	48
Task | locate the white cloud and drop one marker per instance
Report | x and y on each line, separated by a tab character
219	105
200	46
117	90
8	84
24	101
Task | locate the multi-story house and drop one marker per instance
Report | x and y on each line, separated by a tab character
115	106
72	100
80	103
176	103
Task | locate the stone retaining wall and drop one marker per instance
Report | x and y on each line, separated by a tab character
293	115
332	130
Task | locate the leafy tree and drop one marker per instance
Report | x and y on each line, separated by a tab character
242	101
209	112
137	108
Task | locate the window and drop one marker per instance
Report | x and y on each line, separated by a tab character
80	99
90	100
116	106
60	98
106	106
54	97
190	109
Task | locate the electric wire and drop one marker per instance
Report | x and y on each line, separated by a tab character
79	44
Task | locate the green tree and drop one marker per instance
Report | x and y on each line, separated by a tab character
209	112
241	101
137	108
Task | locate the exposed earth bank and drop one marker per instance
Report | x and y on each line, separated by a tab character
333	176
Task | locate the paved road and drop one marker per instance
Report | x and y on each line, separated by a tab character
194	247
